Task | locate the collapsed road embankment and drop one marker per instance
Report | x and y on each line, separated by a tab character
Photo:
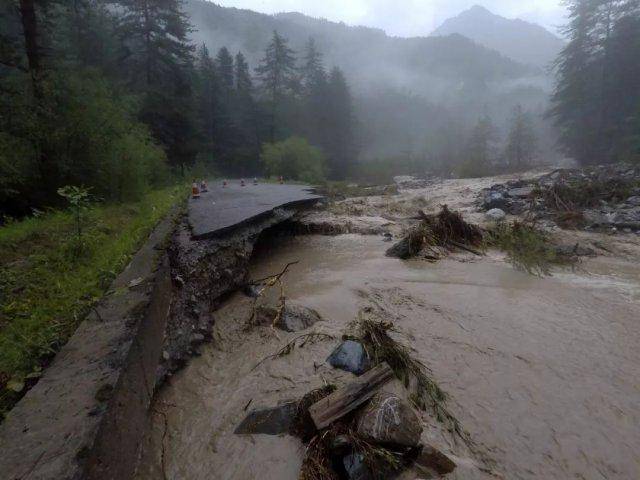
86	415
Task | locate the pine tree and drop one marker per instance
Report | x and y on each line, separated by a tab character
521	143
277	74
481	149
207	92
224	65
600	57
243	81
313	72
158	57
339	147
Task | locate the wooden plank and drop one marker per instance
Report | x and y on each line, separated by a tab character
351	396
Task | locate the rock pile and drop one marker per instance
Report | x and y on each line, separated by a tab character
603	197
366	429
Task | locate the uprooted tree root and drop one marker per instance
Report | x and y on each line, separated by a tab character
437	234
383	348
267	283
575	194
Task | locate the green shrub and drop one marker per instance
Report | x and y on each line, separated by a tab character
295	159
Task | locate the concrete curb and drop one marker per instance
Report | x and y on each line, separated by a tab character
85	418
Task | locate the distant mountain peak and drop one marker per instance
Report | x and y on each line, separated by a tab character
518	39
479	9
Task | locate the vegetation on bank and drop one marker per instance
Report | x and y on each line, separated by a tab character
49	280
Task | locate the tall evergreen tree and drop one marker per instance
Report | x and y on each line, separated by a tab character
243	81
520	150
224	64
481	149
207	92
277	72
595	66
339	147
158	56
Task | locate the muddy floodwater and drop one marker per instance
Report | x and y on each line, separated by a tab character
544	373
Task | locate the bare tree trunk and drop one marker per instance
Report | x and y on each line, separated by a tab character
32	49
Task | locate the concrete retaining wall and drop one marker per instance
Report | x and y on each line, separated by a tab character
86	415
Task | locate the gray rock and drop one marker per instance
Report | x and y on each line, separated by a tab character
269	421
522	192
390	420
350	356
401	249
496	214
574	250
494	200
635	200
357	469
432	460
293	319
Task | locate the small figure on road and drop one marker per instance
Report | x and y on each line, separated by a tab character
255	180
195	192
203	186
242	182
281	180
224	184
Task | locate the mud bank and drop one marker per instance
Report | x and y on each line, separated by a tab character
203	272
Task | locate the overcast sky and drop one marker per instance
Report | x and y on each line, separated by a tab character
406	17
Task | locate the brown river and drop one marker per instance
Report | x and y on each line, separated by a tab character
543	373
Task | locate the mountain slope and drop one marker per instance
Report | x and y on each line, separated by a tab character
425	65
522	41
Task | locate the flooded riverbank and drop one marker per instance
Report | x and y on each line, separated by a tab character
542	372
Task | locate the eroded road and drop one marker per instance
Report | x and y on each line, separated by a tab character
225	207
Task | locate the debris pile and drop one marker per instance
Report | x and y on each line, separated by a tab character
436	234
368	428
603	198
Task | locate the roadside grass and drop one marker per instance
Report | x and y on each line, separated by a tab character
48	284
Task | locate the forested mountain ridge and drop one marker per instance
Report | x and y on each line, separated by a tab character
368	56
522	41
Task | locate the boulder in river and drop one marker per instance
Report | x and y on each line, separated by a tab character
293	319
401	249
494	199
496	214
269	421
432	460
390	420
350	356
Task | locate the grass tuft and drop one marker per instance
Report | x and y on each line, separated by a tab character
383	348
527	248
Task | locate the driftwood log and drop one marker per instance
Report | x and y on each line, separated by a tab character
350	397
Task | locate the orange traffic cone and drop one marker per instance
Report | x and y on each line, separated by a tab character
195	193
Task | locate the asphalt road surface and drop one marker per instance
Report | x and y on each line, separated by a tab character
223	208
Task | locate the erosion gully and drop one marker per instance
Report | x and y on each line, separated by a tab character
542	372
